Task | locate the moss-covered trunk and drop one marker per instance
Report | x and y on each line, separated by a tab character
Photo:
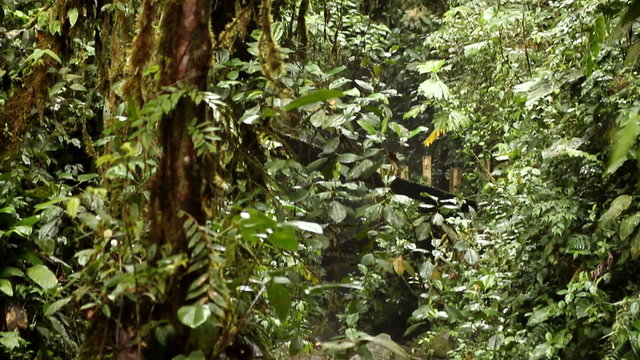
185	49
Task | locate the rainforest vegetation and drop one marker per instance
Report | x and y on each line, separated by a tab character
306	179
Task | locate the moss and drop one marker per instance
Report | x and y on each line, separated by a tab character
16	114
236	29
142	48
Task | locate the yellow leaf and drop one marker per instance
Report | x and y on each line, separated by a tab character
436	274
435	134
399	265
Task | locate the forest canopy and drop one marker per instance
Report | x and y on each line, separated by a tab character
304	179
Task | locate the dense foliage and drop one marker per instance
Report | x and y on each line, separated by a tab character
173	192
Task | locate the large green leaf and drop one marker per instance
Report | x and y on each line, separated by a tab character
72	207
11	340
53	308
635	246
386	343
632	13
628	225
285	237
194	315
434	89
5	287
540	315
337	211
313	97
626	138
617	207
280	299
42	276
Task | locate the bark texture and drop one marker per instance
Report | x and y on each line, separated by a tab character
186	57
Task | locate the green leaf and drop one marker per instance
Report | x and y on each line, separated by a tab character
635	246
617	207
417	131
313	97
434	89
430	66
628	225
280	299
365	85
337	211
331	145
632	13
72	207
53	308
285	237
360	169
73	16
9	271
539	315
11	340
5	287
367	126
42	276
626	138
194	315
8	210
348	158
52	55
386	343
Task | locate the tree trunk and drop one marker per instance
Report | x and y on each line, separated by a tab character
177	187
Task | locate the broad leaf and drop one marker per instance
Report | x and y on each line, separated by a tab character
628	225
53	308
337	211
313	97
285	237
434	89
194	315
72	207
280	299
5	287
42	276
73	16
626	138
617	207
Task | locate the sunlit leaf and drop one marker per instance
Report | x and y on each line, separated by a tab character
399	265
53	308
617	207
626	138
42	276
72	207
11	340
434	89
313	97
306	226
435	134
194	315
72	14
628	225
430	66
5	287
